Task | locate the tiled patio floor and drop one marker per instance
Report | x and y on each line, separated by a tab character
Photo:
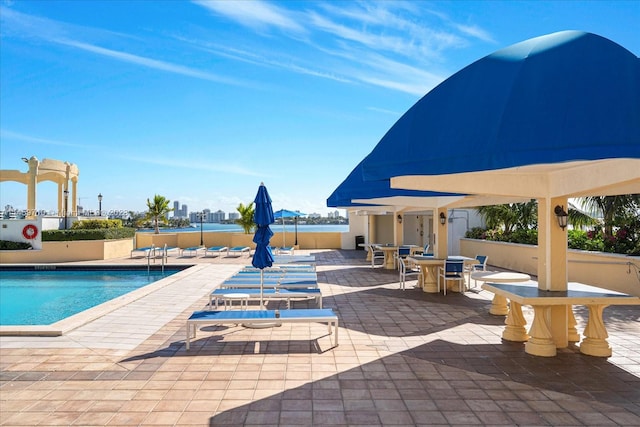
405	358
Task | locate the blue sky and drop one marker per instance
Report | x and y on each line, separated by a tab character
201	101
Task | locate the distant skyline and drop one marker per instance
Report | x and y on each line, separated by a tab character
200	101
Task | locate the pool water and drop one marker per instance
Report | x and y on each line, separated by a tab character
43	297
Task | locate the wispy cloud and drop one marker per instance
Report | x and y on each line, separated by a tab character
476	32
59	33
150	63
382	110
10	135
257	15
396	45
195	164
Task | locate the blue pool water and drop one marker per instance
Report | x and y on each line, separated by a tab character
37	297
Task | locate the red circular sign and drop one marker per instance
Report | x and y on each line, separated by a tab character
30	231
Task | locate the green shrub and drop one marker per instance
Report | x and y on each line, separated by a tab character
88	234
7	245
96	224
586	241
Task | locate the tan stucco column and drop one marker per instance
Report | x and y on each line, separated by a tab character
32	185
74	198
398	230
441	231
552	264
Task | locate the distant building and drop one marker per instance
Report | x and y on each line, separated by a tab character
314	215
217	216
233	216
179	212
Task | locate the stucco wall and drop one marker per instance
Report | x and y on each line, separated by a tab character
80	250
331	240
610	271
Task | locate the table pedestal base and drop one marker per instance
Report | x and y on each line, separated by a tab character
541	342
515	321
499	306
595	334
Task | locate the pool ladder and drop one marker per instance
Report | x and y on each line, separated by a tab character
152	254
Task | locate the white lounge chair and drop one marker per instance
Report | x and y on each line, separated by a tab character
144	251
256	317
192	251
216	250
239	250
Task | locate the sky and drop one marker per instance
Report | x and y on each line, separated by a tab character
201	101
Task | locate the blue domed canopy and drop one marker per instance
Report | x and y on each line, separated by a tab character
565	97
373	192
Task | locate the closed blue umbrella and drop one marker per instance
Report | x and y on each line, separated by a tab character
263	216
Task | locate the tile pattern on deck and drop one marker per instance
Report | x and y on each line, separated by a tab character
405	358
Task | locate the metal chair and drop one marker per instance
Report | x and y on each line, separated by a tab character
481	266
376	254
425	250
402	252
452	270
408	269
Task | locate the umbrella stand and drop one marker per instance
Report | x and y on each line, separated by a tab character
262	307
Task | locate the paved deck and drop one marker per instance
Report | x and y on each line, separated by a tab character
405	358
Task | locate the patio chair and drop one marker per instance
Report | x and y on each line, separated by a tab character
424	251
408	269
481	266
402	252
376	254
452	270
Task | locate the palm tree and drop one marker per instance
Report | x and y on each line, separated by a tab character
246	217
158	210
610	207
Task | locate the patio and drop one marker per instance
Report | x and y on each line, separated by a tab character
405	358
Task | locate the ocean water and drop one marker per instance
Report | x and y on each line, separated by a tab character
234	228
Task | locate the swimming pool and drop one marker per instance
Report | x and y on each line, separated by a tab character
32	296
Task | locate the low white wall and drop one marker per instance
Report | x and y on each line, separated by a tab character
11	230
609	271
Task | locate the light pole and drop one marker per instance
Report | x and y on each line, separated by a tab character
201	235
99	204
66	206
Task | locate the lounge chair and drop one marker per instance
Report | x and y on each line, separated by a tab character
144	251
257	317
239	250
193	251
216	250
267	294
160	252
286	250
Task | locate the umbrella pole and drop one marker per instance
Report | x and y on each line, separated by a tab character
284	242
295	222
261	287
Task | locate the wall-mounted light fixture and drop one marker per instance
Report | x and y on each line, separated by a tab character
443	218
561	215
399	217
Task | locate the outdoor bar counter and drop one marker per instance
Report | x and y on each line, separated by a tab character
540	340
